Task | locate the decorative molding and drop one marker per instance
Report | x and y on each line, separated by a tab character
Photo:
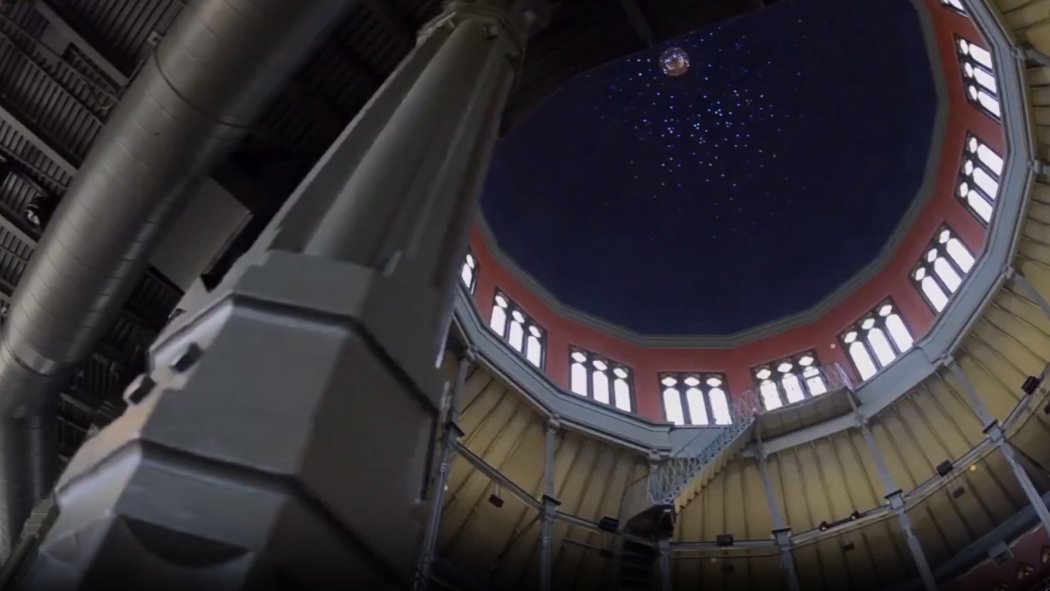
836	297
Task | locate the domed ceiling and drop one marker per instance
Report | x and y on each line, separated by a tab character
744	190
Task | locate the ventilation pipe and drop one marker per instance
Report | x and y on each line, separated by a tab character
209	79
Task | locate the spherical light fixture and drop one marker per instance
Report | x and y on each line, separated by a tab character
674	61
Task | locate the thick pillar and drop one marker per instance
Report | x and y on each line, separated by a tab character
896	499
971	393
994	431
664	547
452	431
781	531
1032	292
550	508
283	437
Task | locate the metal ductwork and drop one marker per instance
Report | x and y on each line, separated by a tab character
208	80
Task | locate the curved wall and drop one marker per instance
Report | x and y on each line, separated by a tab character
822	334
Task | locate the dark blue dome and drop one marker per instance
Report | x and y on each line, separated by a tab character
743	191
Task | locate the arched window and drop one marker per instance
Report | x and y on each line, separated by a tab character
789	380
943	266
979	178
695	398
469	272
517	328
978	76
600	379
874	341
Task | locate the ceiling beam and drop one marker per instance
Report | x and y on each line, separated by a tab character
62	158
317	108
355	61
394	19
639	23
67	32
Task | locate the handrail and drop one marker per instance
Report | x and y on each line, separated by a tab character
667	481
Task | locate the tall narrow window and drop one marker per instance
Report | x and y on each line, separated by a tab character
518	329
695	398
955	4
942	268
979	178
879	337
790	380
600	378
469	272
979	76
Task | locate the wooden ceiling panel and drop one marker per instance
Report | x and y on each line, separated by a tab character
947	413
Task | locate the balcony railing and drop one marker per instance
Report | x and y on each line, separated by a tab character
668	480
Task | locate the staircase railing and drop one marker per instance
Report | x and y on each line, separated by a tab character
666	481
680	469
663	483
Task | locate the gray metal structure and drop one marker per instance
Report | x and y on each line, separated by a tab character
176	122
67	65
351	285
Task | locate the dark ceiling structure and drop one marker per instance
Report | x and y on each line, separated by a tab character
66	64
746	190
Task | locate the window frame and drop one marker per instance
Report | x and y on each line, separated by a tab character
969	155
964	58
611	367
795	360
512	307
681	388
473	285
941	249
880	322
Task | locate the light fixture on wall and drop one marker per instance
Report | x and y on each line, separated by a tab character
1031	384
823	526
495	500
724	539
1023	570
944	468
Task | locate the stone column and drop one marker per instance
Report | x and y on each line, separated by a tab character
995	433
452	431
666	576
896	499
781	531
550	508
282	439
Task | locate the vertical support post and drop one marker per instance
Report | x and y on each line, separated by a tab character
350	287
896	499
451	432
995	433
971	393
897	503
664	547
781	531
1029	289
550	508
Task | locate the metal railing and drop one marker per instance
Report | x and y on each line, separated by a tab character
667	480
